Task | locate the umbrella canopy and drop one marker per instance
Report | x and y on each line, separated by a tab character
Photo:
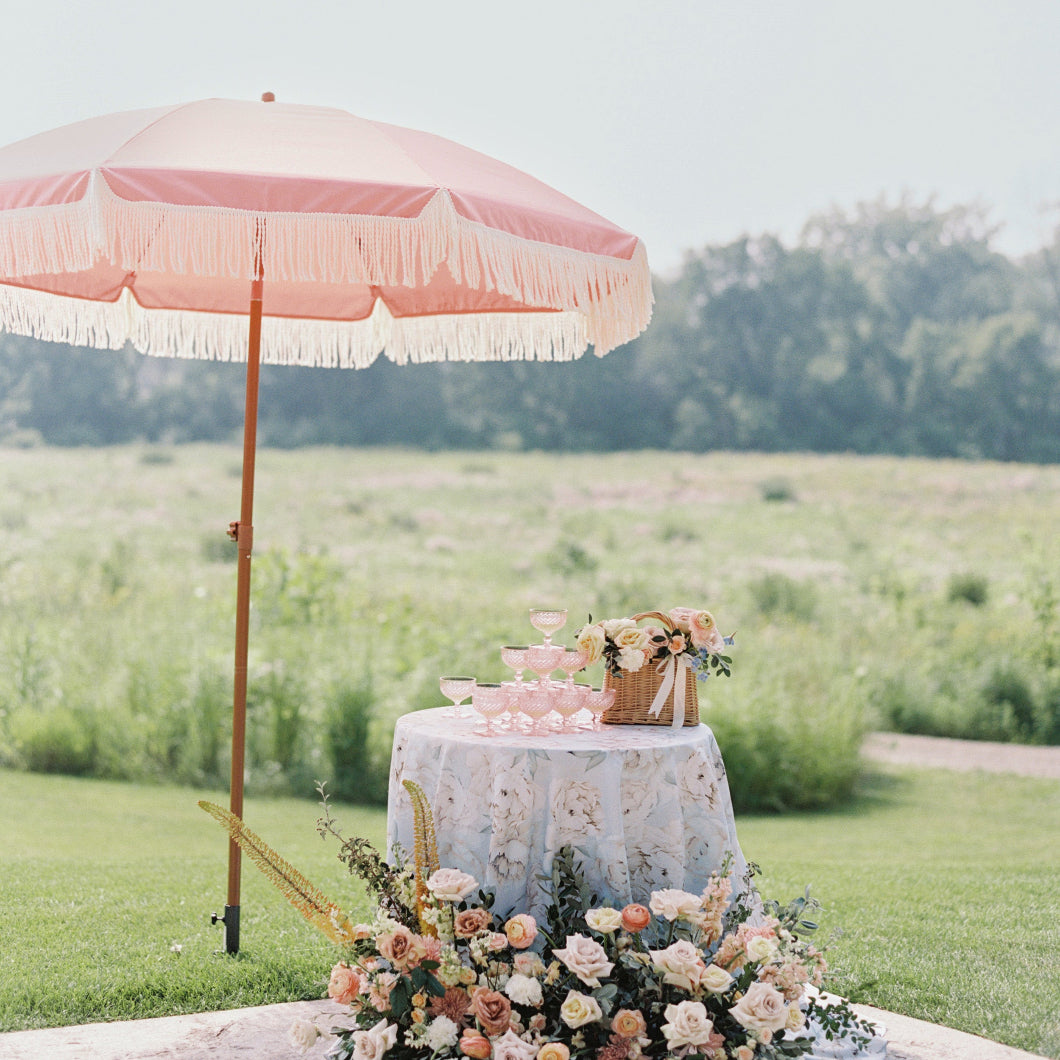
145	227
290	234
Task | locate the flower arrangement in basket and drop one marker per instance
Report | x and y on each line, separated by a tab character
654	669
438	973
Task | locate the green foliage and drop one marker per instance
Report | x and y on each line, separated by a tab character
969	587
781	598
892	328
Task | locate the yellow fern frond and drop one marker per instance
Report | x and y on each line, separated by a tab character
425	850
305	896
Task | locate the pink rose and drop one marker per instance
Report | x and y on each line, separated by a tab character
586	958
762	1008
470	922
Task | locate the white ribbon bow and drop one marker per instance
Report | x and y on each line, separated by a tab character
668	668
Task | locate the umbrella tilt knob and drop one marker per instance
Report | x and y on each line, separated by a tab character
242	534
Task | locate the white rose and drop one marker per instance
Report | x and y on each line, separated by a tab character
372	1044
687	1023
671	904
761	948
715	979
604	920
303	1035
524	990
586	958
762	1008
591	641
451	885
681	963
442	1034
580	1009
614	626
632	638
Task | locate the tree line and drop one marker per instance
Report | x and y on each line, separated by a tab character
891	328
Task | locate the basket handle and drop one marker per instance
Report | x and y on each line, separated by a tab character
664	619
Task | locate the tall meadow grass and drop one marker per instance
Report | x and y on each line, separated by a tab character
867	592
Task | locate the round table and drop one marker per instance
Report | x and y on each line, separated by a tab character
646	807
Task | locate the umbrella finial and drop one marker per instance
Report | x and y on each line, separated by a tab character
268	97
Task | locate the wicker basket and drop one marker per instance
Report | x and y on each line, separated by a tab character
635	692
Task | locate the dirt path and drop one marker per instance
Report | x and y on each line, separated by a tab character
963	755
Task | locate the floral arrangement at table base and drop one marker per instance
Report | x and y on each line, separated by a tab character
438	972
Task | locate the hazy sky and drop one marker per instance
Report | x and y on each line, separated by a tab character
686	122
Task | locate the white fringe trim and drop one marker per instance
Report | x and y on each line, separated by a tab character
542	336
611	294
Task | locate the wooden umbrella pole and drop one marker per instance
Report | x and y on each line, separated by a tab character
243	532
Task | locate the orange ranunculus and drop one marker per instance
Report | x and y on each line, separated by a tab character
475	1045
521	931
629	1023
635	918
553	1051
345	983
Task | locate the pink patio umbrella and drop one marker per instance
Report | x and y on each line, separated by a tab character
286	234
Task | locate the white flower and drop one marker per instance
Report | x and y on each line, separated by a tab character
715	979
451	885
372	1044
687	1024
524	990
509	1046
303	1035
579	1009
586	958
671	904
761	948
605	920
442	1034
632	659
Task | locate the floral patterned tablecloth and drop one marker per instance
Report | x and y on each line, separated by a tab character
647	806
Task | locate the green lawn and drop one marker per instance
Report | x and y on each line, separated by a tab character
946	887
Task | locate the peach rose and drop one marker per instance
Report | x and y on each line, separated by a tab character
401	947
345	983
470	922
635	918
492	1009
521	931
475	1045
629	1023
